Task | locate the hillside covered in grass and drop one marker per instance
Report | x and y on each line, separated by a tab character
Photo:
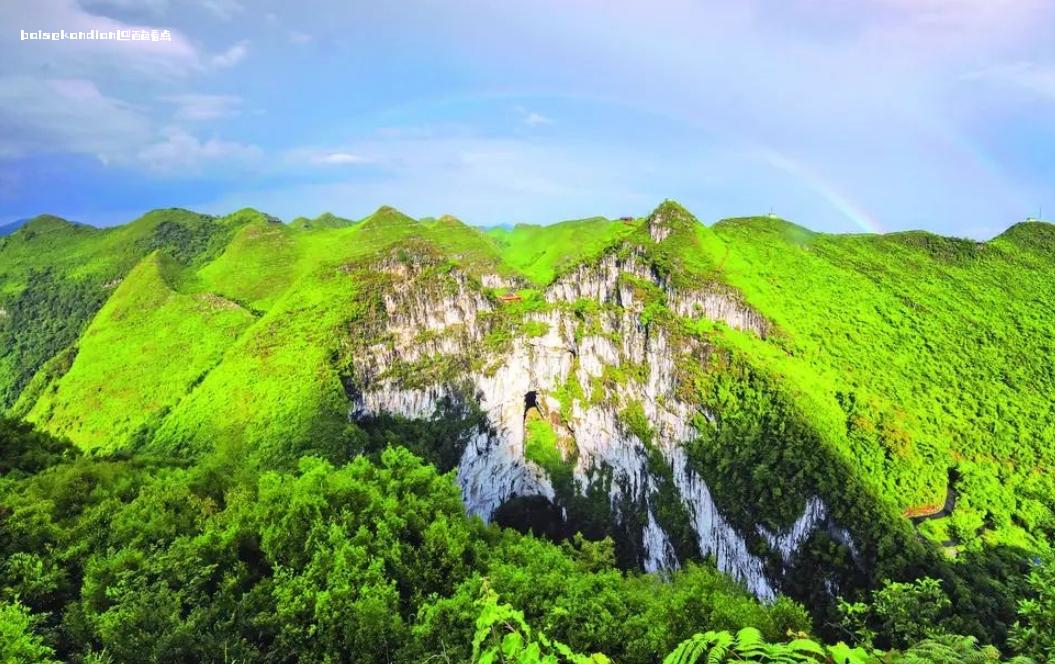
818	416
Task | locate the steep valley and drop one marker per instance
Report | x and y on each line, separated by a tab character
750	394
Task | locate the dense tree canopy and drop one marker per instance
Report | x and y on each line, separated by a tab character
147	560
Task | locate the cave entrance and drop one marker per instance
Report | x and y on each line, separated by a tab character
531	401
537	515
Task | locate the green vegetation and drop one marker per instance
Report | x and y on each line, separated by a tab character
55	275
368	560
45	317
19	644
540	442
1034	633
918	353
324	220
101	398
214	501
542	252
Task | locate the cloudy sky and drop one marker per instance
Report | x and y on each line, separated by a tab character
841	115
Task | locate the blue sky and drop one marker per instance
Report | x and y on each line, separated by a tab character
841	115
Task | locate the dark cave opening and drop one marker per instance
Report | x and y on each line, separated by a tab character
532	514
531	401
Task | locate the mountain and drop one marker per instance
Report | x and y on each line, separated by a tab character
8	229
57	275
324	220
812	413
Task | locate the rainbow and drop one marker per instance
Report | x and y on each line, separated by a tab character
975	164
824	188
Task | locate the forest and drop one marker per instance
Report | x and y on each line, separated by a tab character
190	472
372	559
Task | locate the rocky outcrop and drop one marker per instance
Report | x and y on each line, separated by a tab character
605	283
590	368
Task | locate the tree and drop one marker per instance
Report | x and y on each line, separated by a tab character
1034	633
502	635
18	643
903	613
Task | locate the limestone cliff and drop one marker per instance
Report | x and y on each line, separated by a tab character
585	360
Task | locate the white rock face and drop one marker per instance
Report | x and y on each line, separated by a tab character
426	323
788	542
496	281
658	228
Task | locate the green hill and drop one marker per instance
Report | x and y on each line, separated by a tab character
324	220
925	351
857	408
540	252
55	275
147	334
916	353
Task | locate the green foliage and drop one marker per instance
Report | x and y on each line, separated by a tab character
1034	635
18	643
952	649
223	346
900	614
45	317
502	635
908	612
372	560
542	252
924	345
634	419
323	221
534	328
103	397
747	645
540	443
25	451
55	276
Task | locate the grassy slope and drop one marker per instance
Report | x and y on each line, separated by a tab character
258	265
140	355
79	251
541	252
940	344
909	352
470	247
324	220
54	276
276	389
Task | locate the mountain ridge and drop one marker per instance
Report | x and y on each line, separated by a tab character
750	391
333	220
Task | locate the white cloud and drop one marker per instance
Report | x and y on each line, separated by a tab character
231	56
343	158
66	115
153	7
536	119
1032	77
73	116
531	118
222	9
196	107
180	153
298	37
312	156
69	97
509	180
